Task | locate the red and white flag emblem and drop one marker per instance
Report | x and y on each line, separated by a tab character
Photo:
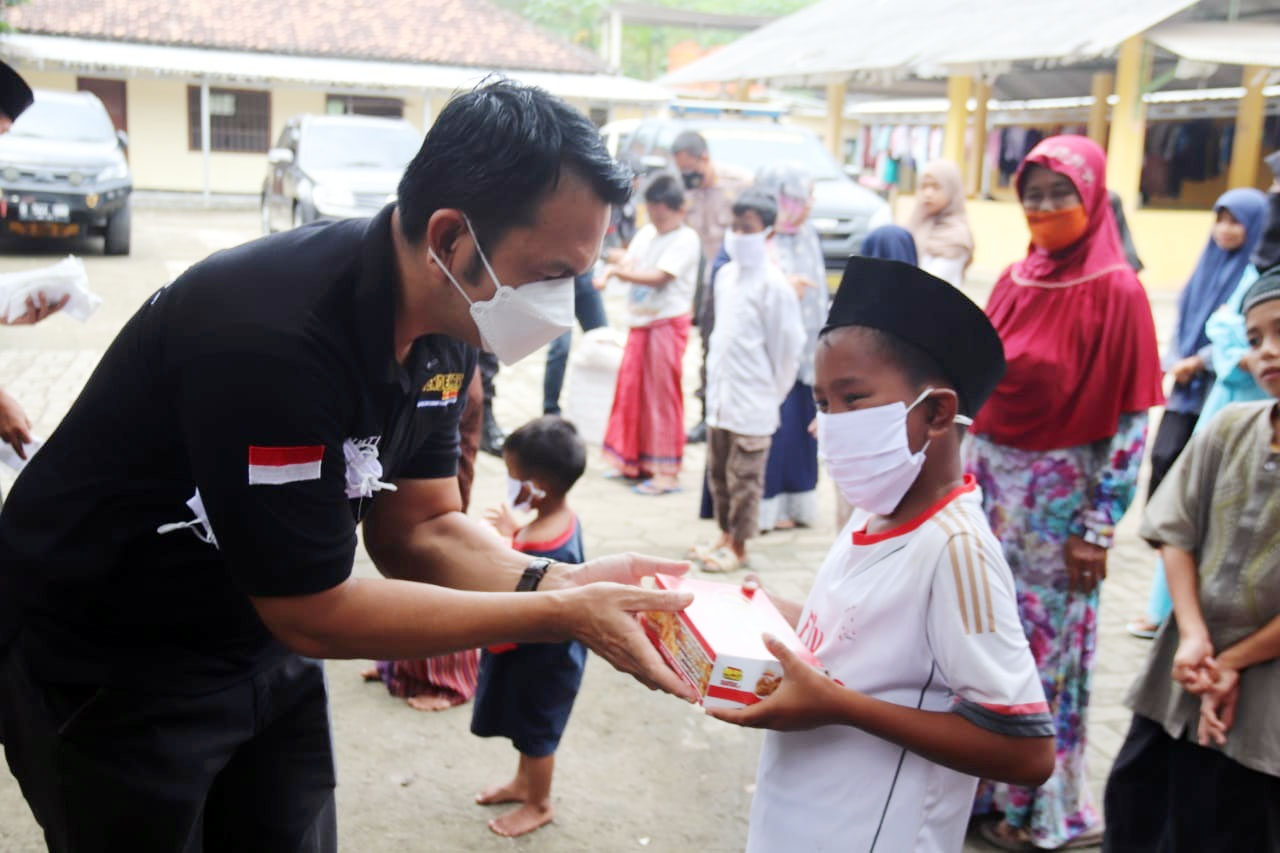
274	466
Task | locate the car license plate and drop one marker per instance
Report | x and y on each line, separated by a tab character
44	211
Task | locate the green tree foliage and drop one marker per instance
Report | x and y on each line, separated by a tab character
644	48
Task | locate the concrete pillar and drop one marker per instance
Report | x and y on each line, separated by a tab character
205	144
959	87
1103	85
1247	147
1129	122
835	117
978	155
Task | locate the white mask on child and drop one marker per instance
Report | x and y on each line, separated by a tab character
867	454
515	487
746	250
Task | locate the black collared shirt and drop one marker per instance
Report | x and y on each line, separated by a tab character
252	380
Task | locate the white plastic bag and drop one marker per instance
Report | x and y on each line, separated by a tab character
65	278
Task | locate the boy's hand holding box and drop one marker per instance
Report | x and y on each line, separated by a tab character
716	645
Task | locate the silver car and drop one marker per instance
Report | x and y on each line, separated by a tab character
334	167
843	212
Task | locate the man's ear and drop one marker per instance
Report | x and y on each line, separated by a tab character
445	227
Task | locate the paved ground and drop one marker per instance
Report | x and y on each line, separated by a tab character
636	770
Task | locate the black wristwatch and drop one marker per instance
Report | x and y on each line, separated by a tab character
533	574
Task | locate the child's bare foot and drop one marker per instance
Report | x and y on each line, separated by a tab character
514	791
371	674
430	702
523	820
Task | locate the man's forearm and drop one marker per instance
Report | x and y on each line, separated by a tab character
393	620
455	551
653	278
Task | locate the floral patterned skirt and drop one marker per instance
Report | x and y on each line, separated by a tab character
1031	499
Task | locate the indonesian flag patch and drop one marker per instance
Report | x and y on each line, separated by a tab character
275	466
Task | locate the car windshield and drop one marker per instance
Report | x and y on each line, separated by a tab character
358	146
72	121
751	149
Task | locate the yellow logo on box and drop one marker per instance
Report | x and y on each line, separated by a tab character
447	385
732	673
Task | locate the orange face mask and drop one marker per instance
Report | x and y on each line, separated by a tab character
1055	230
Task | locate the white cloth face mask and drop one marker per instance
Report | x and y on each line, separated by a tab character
746	250
516	321
515	487
866	453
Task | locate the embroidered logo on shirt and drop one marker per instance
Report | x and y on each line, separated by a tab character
441	390
275	466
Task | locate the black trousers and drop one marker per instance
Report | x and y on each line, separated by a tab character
1171	438
245	768
1173	796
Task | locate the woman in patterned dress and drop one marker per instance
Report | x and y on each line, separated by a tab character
1057	451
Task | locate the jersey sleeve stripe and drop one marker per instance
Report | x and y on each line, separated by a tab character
955	571
960	529
1032	724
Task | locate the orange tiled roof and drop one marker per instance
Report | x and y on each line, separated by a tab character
443	32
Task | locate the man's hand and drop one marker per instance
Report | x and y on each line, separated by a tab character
1190	662
621	568
38	308
606	617
1218	703
502	520
806	698
15	428
1086	564
1186	369
602	279
800	284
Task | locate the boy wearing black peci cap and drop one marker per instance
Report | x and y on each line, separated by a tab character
929	680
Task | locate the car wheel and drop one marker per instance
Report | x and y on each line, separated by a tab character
299	216
266	217
119	229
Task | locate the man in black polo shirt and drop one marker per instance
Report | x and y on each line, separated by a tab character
181	548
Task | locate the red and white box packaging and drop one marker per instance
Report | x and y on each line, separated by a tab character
715	643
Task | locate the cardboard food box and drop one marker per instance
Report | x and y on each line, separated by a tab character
715	643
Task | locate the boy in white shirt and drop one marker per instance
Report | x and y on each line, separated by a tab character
931	683
751	367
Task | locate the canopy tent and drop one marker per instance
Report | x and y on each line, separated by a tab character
884	41
1222	42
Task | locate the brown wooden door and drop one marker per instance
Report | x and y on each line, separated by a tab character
111	93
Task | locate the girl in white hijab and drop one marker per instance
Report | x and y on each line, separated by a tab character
939	224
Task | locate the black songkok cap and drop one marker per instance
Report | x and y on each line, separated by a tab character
15	94
928	313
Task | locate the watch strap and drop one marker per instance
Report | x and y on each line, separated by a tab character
533	574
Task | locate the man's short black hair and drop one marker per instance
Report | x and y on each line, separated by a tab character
549	449
690	142
761	202
665	190
495	152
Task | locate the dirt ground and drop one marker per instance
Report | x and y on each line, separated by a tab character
636	770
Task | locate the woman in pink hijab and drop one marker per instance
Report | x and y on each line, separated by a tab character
939	224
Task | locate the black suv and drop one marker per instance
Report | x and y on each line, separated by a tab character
63	172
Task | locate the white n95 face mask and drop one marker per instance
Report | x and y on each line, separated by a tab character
746	250
867	455
515	487
516	321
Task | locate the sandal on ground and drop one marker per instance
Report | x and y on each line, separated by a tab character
998	833
1142	629
699	553
652	489
1092	838
722	561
